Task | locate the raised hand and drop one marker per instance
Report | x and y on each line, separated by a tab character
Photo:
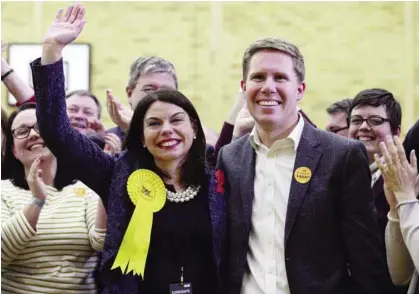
113	144
4	65
244	122
35	182
65	29
399	175
3	48
120	115
391	199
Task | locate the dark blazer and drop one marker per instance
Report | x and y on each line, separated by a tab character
330	222
381	204
107	175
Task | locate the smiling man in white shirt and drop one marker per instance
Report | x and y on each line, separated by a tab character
299	199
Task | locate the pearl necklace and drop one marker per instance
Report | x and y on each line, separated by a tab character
183	196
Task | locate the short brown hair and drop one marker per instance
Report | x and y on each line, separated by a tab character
278	45
340	106
376	97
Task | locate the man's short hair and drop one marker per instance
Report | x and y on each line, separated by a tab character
88	94
340	106
377	97
278	45
150	64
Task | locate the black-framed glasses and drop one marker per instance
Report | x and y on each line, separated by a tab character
335	131
372	121
23	132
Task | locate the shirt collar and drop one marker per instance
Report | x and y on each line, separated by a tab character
294	136
373	167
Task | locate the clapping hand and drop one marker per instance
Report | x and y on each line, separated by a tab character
96	126
35	181
244	122
113	144
121	115
399	175
3	48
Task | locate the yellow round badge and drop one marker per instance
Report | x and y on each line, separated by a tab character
147	188
302	175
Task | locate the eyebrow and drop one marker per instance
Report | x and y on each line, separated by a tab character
157	118
369	116
82	107
24	125
264	73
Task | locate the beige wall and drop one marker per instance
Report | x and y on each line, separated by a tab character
348	46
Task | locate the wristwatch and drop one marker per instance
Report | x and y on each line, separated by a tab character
39	202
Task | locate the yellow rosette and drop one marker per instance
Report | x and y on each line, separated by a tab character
146	190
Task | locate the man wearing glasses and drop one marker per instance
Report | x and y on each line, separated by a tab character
375	114
337	117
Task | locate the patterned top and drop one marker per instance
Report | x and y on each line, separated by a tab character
60	256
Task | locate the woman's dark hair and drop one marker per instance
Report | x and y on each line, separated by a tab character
3	141
376	97
14	169
193	167
3	121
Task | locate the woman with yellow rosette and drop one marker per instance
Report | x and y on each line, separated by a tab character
166	220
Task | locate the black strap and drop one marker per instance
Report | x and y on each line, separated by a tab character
6	74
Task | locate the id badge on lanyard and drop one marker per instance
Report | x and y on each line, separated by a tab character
181	288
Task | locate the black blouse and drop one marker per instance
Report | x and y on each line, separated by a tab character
181	236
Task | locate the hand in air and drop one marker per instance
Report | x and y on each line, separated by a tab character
66	28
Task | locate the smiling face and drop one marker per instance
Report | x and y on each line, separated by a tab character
27	143
370	135
80	110
168	132
272	89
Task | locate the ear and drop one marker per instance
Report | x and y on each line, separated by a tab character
243	85
397	132
301	90
128	90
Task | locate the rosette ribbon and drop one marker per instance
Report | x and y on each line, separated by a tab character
147	192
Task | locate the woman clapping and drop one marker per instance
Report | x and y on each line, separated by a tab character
52	227
401	183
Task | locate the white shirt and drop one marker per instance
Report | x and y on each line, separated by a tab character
375	173
273	175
